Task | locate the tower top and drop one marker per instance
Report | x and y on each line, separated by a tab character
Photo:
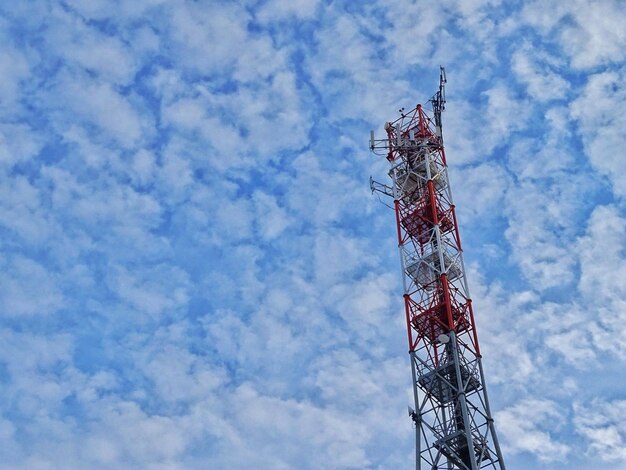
439	100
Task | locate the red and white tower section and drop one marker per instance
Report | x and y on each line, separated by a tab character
453	422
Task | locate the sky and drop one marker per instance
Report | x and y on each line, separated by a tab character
195	275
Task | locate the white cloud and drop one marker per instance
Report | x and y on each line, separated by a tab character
275	10
143	167
22	212
367	305
596	37
271	219
272	116
80	45
15	68
603	264
575	346
108	202
320	195
234	217
179	376
551	159
527	427
589	36
160	291
344	66
125	435
536	70
601	125
472	134
103	107
278	423
261	118
538	223
544	19
28	288
505	113
193	28
601	423
336	257
91	9
603	269
480	189
496	316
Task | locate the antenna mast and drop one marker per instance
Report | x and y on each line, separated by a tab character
439	101
454	428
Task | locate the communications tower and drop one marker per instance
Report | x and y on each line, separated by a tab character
454	428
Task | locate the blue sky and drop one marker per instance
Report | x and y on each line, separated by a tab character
195	274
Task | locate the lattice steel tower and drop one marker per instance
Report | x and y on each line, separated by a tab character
453	423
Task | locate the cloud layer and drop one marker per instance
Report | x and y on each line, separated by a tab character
195	275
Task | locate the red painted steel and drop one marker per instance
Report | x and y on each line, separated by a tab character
441	307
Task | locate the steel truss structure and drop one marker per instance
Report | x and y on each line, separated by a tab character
453	423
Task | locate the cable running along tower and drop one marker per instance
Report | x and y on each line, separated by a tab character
453	424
